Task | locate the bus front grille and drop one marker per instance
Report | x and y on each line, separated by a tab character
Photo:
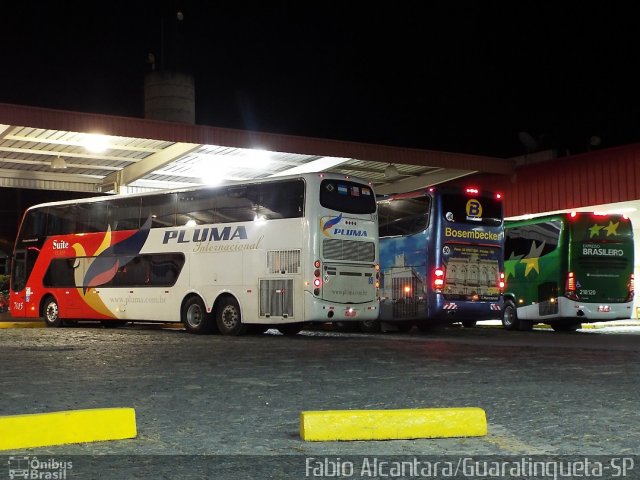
350	250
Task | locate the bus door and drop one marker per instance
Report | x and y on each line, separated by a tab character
17	293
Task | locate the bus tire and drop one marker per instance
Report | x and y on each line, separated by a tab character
51	312
510	316
195	317
468	323
370	326
290	329
229	318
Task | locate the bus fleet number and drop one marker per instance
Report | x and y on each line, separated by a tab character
587	292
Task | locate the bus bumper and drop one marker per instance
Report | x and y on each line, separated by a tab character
456	311
594	312
318	310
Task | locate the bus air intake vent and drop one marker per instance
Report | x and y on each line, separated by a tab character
276	298
283	261
350	250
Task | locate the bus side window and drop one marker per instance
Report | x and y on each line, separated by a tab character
124	214
60	273
281	199
35	224
237	206
161	208
197	207
61	220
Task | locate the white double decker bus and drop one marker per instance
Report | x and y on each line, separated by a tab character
237	258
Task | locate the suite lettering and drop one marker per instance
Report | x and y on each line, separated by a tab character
209	234
60	244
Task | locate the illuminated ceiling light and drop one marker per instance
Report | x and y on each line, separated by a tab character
58	163
95	143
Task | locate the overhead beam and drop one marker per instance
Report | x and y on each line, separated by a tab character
54	153
423	181
48	181
153	162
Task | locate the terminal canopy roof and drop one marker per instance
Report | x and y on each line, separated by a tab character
64	150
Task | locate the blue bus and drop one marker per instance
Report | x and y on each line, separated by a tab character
441	258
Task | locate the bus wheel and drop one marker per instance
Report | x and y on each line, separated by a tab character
290	329
195	317
468	323
51	313
510	316
370	326
228	317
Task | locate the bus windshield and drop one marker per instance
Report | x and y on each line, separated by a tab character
403	216
348	197
461	209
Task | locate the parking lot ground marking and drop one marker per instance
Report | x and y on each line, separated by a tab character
22	325
71	426
331	425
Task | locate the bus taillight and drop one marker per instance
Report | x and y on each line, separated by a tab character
472	190
377	275
317	281
438	279
570	287
498	196
631	288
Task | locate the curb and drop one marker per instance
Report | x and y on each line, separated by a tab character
401	424
22	325
72	426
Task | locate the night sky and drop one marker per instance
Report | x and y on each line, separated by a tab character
455	76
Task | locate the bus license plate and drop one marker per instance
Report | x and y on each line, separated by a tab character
604	308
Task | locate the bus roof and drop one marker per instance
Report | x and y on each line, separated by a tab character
564	216
100	198
434	190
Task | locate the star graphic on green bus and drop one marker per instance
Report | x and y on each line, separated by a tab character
531	260
510	265
595	230
612	228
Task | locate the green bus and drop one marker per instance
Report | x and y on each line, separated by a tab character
568	268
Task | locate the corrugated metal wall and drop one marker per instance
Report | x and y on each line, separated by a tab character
593	178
